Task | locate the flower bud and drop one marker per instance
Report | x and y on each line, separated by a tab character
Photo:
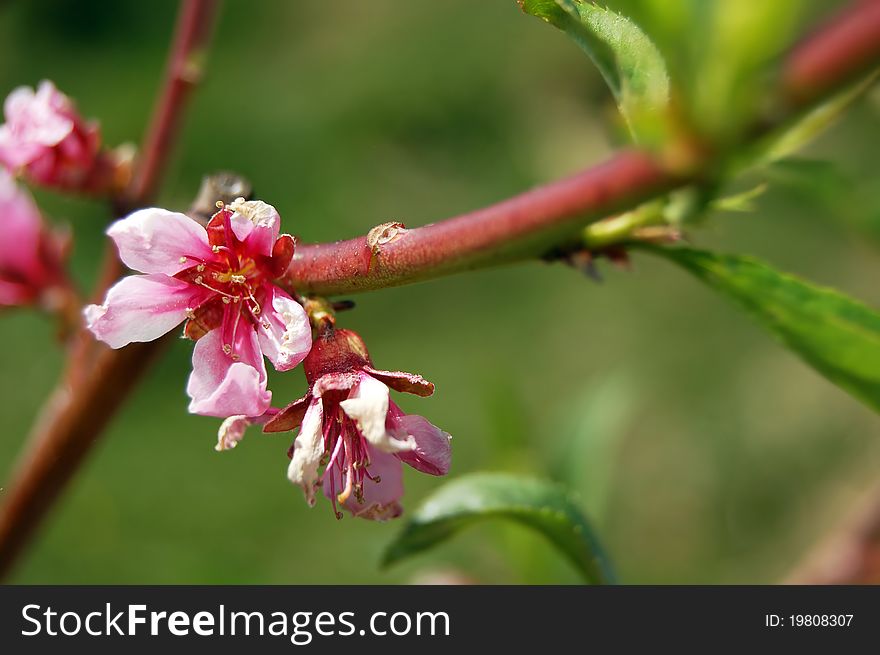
31	256
47	142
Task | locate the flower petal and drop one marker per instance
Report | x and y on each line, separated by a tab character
14	294
287	340
14	153
432	454
381	494
44	117
256	224
22	226
308	449
231	432
290	417
143	308
159	241
403	382
222	386
367	406
233	428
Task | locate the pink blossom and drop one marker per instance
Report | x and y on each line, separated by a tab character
348	424
30	255
219	279
45	138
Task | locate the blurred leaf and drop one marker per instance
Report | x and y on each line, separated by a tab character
739	202
794	137
545	507
824	188
836	335
717	51
628	60
587	451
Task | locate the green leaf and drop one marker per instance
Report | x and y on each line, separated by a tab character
793	137
739	202
718	52
543	506
628	60
836	335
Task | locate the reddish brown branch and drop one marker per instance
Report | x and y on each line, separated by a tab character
99	379
843	49
525	225
74	420
528	224
184	70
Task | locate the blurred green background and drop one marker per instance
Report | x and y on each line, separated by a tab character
703	452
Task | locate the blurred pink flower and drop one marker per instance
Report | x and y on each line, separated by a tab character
30	255
348	423
220	279
46	139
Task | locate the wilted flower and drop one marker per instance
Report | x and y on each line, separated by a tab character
219	279
348	424
30	255
46	139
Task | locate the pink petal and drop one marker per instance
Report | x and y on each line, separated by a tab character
22	225
14	154
143	308
221	386
288	338
381	499
159	241
403	382
256	224
13	294
43	118
432	454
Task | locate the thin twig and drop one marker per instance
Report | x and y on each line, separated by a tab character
99	379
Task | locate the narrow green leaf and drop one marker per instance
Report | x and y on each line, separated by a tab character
739	202
788	140
836	335
543	506
630	63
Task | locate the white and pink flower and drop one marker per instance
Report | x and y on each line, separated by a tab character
31	256
220	280
46	139
349	425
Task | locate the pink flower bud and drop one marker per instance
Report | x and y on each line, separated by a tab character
30	255
48	142
348	423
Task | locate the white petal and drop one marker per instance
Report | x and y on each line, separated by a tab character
308	448
231	432
367	406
